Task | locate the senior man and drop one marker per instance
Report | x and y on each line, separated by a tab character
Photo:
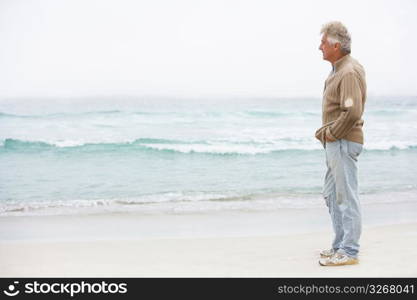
342	137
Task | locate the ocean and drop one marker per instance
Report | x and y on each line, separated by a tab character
190	155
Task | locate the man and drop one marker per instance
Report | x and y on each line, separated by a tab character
342	137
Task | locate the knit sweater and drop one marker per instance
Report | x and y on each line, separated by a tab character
344	99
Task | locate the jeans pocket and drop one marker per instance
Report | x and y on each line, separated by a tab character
354	149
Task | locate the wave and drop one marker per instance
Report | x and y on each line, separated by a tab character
169	202
139	203
191	113
190	202
168	146
198	114
147	145
55	115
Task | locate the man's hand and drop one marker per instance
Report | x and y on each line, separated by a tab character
328	136
325	137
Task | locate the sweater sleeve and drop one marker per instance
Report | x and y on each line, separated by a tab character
351	106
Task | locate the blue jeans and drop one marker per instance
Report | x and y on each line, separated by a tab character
341	194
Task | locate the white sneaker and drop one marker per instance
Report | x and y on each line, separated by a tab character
338	259
327	253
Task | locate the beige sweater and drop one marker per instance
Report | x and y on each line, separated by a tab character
343	102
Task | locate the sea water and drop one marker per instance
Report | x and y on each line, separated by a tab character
175	155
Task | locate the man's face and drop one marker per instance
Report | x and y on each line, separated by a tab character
329	51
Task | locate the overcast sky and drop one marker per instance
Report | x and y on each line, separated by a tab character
198	48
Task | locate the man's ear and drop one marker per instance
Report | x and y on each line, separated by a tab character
337	46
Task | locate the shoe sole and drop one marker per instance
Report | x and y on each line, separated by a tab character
352	262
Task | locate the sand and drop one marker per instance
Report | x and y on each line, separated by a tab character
243	244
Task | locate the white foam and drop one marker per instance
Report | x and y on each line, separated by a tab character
196	202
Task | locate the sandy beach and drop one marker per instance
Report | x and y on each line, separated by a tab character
227	244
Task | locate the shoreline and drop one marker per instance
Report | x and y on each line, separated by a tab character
226	223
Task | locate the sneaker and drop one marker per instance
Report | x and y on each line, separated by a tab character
327	253
338	259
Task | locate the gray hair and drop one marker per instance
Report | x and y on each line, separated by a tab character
336	32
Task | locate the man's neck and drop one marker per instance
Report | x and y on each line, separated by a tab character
334	60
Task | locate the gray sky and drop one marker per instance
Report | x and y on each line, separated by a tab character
198	48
